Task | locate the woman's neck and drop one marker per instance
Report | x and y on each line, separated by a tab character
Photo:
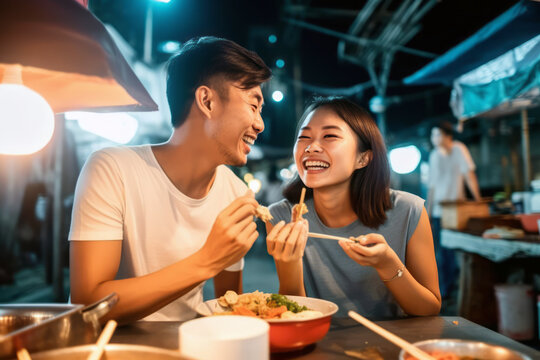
333	206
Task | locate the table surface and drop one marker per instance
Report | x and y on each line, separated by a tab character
344	334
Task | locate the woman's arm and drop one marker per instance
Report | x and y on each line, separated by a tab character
286	243
417	290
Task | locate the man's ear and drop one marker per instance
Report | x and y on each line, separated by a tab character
204	100
363	159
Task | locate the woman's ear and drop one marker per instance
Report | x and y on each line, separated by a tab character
363	159
204	100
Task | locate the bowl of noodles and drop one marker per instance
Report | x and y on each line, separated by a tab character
454	349
295	321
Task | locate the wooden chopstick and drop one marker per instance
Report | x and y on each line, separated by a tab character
23	354
103	340
329	237
405	345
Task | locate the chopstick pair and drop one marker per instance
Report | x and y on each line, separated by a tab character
405	345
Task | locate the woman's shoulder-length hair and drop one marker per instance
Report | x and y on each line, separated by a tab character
370	185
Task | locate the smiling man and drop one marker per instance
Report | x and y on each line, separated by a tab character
153	223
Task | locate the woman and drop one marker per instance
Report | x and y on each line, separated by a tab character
391	270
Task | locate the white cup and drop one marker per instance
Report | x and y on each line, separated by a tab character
228	337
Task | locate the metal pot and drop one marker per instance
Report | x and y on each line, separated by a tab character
38	327
474	349
112	352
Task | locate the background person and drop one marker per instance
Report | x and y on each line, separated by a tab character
450	166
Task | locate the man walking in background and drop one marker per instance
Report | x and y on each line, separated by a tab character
450	166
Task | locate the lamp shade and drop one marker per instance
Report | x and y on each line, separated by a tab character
68	57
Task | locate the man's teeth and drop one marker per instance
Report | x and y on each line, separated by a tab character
316	165
249	140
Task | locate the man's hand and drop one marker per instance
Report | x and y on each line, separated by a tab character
232	235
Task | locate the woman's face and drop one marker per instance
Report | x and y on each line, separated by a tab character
326	150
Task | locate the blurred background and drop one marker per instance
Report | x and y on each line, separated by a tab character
375	52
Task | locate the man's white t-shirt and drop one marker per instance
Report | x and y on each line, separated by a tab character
123	194
446	174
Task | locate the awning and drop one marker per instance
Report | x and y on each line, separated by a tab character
514	27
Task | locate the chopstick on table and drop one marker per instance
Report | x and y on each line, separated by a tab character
103	340
329	237
23	354
405	345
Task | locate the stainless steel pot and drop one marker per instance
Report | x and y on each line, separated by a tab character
475	349
112	352
38	327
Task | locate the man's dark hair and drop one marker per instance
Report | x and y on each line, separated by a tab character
370	185
446	128
209	59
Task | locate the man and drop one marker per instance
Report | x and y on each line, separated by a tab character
152	223
450	165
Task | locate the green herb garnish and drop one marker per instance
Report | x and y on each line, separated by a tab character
277	300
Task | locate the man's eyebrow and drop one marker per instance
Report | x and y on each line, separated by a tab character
259	98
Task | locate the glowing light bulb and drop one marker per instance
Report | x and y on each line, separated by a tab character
277	96
405	159
26	120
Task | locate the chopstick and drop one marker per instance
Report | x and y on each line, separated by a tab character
329	237
23	354
298	214
103	340
405	345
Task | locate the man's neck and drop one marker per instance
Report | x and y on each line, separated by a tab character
446	146
188	162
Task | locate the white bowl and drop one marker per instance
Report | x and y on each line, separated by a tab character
225	338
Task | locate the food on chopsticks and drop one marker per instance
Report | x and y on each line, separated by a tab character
263	213
264	306
444	355
299	209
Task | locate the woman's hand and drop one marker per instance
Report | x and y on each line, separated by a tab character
369	250
286	242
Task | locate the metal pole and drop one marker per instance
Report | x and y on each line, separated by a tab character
58	213
381	123
148	28
525	150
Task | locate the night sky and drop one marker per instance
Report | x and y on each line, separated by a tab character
250	22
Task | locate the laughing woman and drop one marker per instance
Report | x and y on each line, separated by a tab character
391	270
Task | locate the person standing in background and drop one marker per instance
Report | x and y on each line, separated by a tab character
450	166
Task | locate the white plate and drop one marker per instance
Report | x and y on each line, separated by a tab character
327	308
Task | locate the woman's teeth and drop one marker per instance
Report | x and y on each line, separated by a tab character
316	165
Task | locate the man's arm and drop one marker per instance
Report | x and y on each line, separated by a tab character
93	267
472	183
94	264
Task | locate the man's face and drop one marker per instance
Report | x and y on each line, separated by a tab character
237	122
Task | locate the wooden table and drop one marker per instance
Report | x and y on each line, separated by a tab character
344	334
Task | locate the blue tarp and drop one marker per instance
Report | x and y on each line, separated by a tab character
504	85
514	27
